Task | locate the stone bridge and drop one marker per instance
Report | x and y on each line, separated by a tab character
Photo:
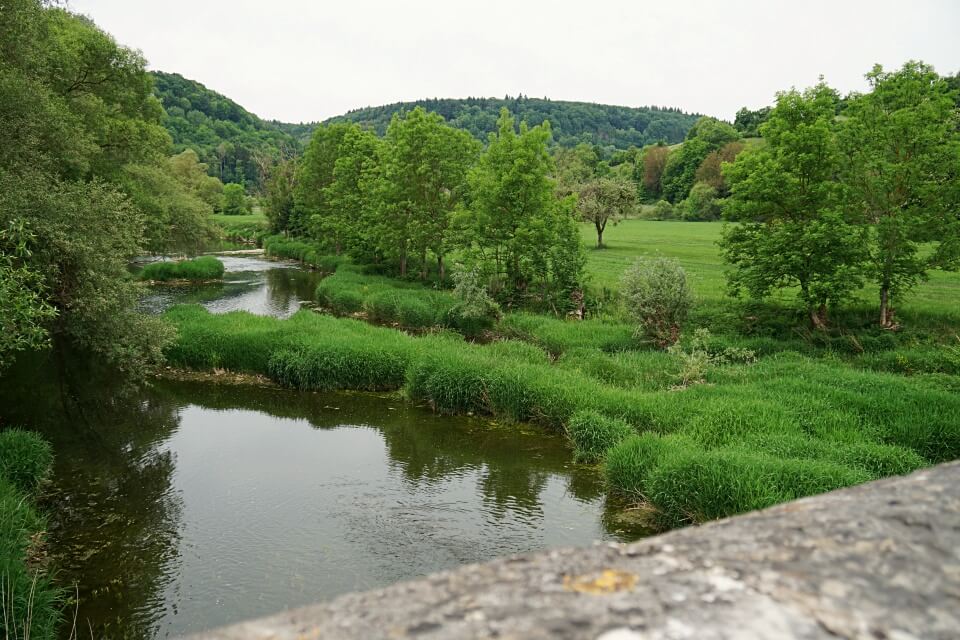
878	561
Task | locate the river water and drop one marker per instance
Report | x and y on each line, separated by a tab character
189	505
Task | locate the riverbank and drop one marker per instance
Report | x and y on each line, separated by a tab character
757	433
30	602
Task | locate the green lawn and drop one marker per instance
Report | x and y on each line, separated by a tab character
694	244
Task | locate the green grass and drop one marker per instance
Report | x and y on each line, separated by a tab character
305	251
694	244
245	228
30	603
785	426
202	268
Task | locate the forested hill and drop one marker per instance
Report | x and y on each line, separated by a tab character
572	122
232	141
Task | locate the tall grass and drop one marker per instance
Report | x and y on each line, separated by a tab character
29	601
304	251
202	268
785	426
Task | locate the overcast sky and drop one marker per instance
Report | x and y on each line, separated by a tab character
302	60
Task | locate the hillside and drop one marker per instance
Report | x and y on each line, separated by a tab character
226	136
572	122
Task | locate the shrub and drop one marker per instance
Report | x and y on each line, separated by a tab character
474	310
663	210
656	295
592	434
202	268
234	202
25	459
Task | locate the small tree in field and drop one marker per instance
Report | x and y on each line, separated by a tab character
606	200
656	294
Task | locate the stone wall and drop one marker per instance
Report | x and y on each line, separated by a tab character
878	561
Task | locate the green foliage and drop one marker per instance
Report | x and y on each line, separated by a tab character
748	122
605	200
31	604
233	143
24	310
523	240
234	200
572	123
901	148
701	204
202	268
474	310
794	232
25	459
656	294
679	173
593	434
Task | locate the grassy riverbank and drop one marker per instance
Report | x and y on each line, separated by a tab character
756	433
30	602
202	268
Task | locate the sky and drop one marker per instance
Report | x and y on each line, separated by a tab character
301	60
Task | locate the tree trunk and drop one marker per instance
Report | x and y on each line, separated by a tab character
818	317
886	313
423	264
441	268
403	263
600	227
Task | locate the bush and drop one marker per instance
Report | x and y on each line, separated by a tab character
656	294
202	268
474	310
663	210
592	434
25	459
234	201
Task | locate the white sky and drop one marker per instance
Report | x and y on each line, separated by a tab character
296	60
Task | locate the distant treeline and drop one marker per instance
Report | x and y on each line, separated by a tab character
236	145
571	123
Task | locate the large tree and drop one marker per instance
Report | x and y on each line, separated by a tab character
901	163
786	197
516	231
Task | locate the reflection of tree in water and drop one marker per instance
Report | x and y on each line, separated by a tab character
287	287
113	518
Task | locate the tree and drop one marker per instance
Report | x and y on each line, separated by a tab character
654	162
234	200
748	122
424	167
516	231
901	162
679	174
785	194
280	184
312	214
605	200
710	171
701	204
352	206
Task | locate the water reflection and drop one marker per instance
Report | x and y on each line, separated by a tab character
190	505
264	287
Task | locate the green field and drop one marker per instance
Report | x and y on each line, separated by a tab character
257	219
694	244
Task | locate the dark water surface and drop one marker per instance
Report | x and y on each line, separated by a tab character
189	505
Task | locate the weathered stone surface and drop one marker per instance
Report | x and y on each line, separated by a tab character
877	561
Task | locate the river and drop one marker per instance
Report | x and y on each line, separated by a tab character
191	504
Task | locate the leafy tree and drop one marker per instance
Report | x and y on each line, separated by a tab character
524	240
606	200
279	195
352	204
575	167
80	143
710	172
901	162
654	162
701	204
312	214
234	200
748	122
679	174
424	167
785	194
24	310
